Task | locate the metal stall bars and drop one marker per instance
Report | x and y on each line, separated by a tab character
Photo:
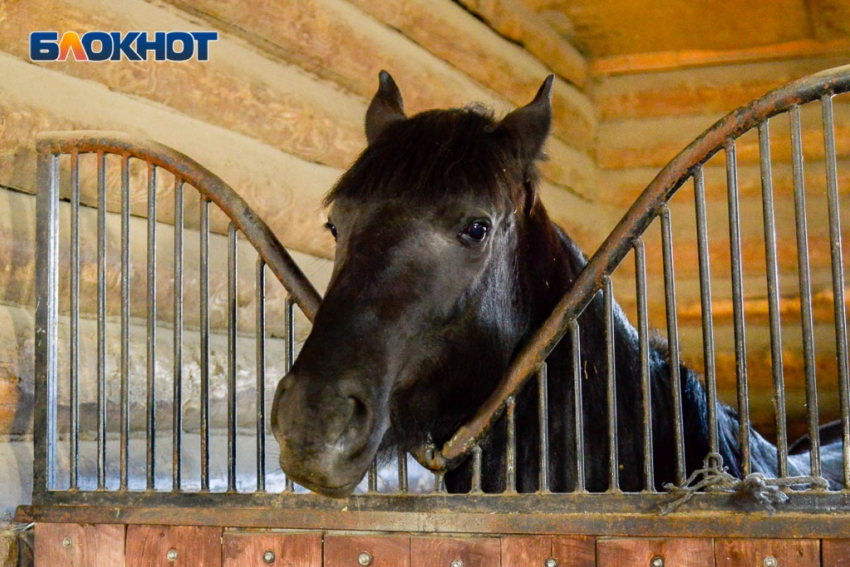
810	513
242	220
652	204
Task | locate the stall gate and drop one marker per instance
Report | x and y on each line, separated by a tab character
170	467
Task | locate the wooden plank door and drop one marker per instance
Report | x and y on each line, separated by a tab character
527	551
454	552
655	552
836	552
767	552
173	546
367	551
73	545
261	549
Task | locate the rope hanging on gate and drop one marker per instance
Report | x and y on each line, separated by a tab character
714	478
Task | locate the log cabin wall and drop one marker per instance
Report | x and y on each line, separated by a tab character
278	110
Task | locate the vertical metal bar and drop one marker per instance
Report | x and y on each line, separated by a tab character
232	312
543	418
46	315
510	452
643	340
805	288
578	410
738	305
372	485
837	277
260	334
611	371
402	471
772	269
476	470
439	483
205	343
673	341
177	397
125	322
705	300
75	321
101	321
289	358
151	385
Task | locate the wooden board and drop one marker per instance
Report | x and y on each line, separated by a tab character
626	552
73	545
525	550
576	551
747	552
385	551
149	546
520	551
836	552
247	549
471	551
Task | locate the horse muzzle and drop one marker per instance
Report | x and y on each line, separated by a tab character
328	433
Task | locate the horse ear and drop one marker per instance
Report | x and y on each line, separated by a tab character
386	107
527	128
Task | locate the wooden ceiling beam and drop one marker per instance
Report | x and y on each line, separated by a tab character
670	60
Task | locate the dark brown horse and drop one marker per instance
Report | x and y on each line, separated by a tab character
446	262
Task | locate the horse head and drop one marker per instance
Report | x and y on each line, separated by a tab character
425	306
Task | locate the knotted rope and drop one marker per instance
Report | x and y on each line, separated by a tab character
713	477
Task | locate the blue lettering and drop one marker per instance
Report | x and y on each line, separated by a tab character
90	39
44	46
123	46
144	45
204	39
188	46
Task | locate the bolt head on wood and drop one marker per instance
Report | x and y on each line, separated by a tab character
364	559
551	562
268	556
457	563
657	562
171	554
66	542
770	561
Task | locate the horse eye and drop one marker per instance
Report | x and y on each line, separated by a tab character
476	231
331	227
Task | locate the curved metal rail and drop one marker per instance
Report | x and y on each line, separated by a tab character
651	204
50	146
209	185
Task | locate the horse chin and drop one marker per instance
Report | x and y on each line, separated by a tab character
342	491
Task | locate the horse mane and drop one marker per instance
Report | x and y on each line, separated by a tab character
434	155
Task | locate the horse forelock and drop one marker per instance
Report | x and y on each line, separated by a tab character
436	155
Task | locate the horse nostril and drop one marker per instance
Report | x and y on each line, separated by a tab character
358	427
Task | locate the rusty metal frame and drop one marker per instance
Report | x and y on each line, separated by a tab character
806	514
649	205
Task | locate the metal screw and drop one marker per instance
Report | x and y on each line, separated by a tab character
268	556
66	542
364	559
770	561
657	562
551	562
457	563
171	555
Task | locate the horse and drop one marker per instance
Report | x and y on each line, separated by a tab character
446	262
